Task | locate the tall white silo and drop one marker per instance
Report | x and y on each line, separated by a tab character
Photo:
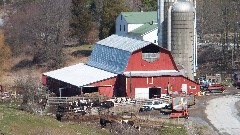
182	33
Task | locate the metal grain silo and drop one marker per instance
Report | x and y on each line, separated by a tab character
182	35
163	8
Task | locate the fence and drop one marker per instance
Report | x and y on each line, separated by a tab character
66	100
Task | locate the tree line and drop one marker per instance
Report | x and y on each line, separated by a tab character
41	28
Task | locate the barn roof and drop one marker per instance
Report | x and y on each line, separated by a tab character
153	73
80	74
144	29
112	53
140	17
123	43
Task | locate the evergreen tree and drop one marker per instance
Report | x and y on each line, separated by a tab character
111	9
81	22
149	5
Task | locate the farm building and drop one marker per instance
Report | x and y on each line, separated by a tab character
139	25
172	26
122	66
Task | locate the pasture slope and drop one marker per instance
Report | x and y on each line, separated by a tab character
14	121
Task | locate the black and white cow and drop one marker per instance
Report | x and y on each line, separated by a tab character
130	124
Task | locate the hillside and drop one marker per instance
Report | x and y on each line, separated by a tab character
14	121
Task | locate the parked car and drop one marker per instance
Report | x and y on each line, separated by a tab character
154	105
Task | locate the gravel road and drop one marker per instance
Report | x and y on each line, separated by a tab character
222	113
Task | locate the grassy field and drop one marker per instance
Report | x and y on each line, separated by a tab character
14	121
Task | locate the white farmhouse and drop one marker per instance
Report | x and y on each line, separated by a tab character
139	25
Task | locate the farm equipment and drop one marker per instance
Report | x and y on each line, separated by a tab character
215	88
179	106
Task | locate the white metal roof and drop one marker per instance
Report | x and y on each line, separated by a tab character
80	74
153	73
123	43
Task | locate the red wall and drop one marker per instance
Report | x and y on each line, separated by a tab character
106	87
165	62
118	88
176	84
44	79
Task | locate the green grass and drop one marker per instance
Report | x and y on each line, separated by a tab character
14	121
226	82
172	129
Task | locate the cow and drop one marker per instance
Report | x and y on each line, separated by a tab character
95	103
131	124
59	112
127	122
107	104
103	122
59	116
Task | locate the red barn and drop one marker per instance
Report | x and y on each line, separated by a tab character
122	66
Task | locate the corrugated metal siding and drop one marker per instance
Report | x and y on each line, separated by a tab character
123	43
109	59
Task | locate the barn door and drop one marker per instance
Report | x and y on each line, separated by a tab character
184	88
142	93
154	93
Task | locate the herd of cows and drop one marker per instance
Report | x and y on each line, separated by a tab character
78	109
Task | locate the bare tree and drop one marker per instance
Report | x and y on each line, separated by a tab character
30	88
40	28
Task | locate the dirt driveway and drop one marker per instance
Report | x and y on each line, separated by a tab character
208	111
222	113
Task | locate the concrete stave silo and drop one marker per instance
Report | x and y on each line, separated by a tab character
183	35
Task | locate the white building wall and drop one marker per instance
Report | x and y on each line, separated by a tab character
133	26
151	37
120	24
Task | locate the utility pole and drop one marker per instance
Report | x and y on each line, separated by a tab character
130	84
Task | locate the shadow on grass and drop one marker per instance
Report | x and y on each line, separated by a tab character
84	53
22	64
165	111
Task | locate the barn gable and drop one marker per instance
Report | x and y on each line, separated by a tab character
112	53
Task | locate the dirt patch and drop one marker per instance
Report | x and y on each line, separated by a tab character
237	105
198	115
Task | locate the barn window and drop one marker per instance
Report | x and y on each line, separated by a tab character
149	80
124	28
150	53
120	27
192	87
121	17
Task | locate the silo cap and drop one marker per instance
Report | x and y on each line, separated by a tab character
183	6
